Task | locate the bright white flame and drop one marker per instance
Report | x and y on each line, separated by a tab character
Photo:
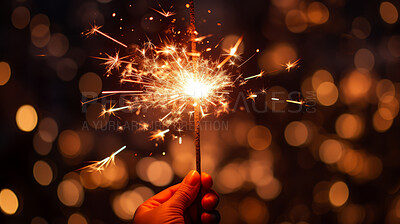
196	89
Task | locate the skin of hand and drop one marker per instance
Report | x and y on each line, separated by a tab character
177	204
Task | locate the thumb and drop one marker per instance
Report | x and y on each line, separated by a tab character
187	192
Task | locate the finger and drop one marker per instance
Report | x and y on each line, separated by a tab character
166	194
212	217
210	201
206	181
187	191
160	198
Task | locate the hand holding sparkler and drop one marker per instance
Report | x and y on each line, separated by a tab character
175	204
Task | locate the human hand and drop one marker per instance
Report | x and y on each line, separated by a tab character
175	204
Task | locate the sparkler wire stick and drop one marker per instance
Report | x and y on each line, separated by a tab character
196	109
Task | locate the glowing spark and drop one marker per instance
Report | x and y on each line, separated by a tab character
122	92
232	52
291	65
163	12
295	102
104	92
159	134
289	101
112	110
143	126
111	62
252	96
198	39
101	165
255	76
96	29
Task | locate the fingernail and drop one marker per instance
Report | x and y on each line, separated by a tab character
192	178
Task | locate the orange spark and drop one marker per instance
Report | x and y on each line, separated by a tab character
291	65
158	134
101	165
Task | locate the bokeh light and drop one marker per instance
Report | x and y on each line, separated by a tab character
352	213
296	133
8	202
48	129
319	77
355	87
361	27
253	210
70	193
90	85
42	173
330	151
364	59
327	94
296	21
77	218
380	124
269	191
317	13
26	118
20	17
58	45
272	59
259	137
338	193
388	12
116	175
229	179
41	147
349	126
69	144
160	173
5	73
39	220
125	204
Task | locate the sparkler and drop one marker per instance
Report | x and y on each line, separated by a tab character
174	79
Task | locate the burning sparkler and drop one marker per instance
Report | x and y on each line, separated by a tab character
175	78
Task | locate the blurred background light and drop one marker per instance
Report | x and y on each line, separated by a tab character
296	133
69	144
338	193
26	118
160	173
77	218
253	210
259	137
388	12
90	85
330	151
361	28
296	21
70	193
5	73
41	147
317	13
42	173
20	17
327	93
48	129
8	201
39	220
349	126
